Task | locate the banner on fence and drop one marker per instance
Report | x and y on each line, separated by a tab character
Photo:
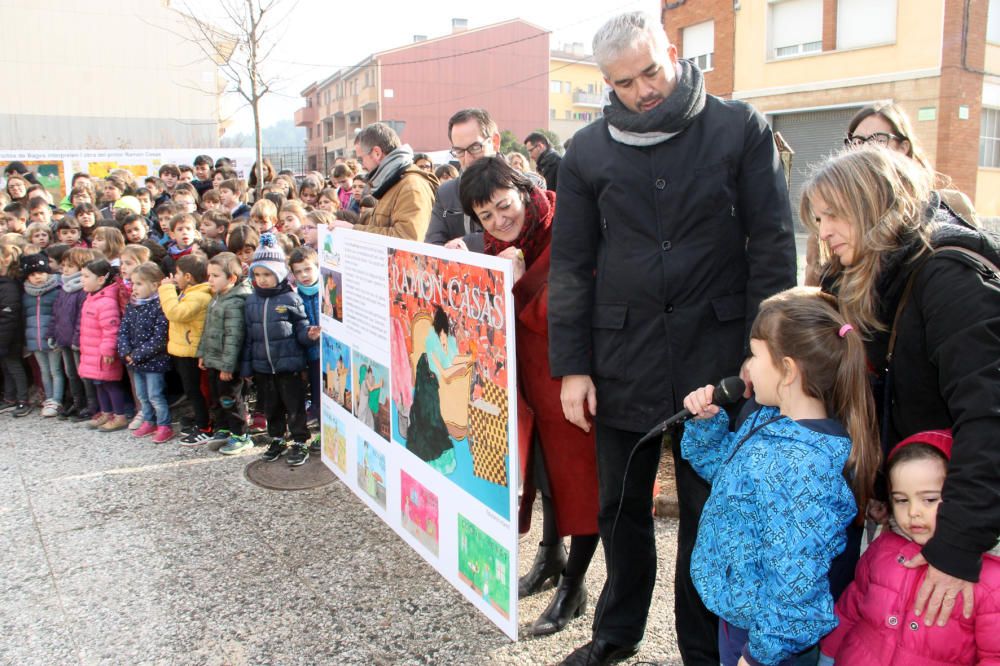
55	168
419	398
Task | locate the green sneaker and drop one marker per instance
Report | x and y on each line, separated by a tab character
315	444
235	444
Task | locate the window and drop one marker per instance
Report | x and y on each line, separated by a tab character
989	138
567	87
863	23
569	115
796	27
993	22
555	87
552	114
699	44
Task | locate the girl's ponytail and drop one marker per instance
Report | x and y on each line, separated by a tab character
853	403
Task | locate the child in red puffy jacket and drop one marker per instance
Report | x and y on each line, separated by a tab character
877	624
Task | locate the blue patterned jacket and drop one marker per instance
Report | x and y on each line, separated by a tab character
772	525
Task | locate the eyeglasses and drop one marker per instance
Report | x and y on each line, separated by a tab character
472	149
878	138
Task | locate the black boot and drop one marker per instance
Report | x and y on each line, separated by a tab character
569	602
549	563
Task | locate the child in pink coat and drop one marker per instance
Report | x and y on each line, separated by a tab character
877	624
99	361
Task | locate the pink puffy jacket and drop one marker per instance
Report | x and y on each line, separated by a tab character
877	625
99	322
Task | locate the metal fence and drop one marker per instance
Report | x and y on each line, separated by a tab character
287	157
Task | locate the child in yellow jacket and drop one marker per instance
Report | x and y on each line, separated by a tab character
186	314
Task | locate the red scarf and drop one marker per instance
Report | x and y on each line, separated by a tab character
537	231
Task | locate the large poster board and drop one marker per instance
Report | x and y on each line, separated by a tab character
55	168
418	413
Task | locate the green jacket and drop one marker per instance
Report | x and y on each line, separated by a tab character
225	329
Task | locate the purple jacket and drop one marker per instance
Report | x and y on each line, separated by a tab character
65	323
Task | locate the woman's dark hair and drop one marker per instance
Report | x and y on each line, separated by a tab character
268	173
915	451
441	322
101	267
487	175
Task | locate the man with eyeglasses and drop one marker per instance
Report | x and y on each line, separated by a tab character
473	136
546	159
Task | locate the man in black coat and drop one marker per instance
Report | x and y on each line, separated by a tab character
672	224
546	158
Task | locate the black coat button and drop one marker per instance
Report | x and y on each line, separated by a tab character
666	246
668	308
660	183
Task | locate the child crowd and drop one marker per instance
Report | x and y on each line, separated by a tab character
176	292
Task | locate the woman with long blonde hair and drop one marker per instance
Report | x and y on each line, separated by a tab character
924	290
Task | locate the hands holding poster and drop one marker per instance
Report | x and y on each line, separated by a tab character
419	401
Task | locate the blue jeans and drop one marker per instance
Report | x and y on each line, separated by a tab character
732	639
151	389
53	380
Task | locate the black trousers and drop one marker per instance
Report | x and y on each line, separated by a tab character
230	409
630	553
190	375
284	399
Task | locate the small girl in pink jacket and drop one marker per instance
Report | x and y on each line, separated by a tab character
877	624
99	361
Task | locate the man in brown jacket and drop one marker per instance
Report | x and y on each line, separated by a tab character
405	193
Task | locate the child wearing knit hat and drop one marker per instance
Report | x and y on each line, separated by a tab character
41	288
877	619
277	337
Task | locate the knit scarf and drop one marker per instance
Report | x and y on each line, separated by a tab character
665	120
73	283
178	252
46	287
155	298
310	290
390	170
536	232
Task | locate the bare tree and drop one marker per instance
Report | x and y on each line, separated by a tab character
241	46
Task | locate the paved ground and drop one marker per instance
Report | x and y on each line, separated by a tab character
120	551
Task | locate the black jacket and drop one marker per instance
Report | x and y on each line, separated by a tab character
661	256
945	375
11	323
277	332
548	166
448	220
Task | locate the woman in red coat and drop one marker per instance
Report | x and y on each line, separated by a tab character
556	456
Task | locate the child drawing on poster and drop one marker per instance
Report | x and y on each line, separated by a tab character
371	391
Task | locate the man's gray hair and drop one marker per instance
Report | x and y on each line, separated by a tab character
378	135
623	33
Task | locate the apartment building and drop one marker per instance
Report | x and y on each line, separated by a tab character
415	88
576	90
809	65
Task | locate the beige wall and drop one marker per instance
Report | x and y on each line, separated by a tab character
992	58
917	47
988	192
105	60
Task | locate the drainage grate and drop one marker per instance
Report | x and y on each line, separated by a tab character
278	475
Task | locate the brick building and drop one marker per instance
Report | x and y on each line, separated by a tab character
809	65
415	88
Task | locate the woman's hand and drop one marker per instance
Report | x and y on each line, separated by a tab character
699	403
226	376
517	258
456	244
314	332
939	592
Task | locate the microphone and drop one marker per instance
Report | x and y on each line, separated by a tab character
727	392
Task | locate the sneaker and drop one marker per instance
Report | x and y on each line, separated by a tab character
22	409
298	454
276	449
114	424
147	428
136	422
163	434
258	424
98	420
66	414
82	415
220	435
236	444
7	405
315	444
50	408
196	437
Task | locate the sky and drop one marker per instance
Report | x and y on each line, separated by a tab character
320	36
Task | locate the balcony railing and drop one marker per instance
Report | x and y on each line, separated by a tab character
581	98
306	116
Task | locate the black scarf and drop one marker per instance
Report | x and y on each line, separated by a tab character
670	116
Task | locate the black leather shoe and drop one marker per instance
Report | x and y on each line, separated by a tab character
599	652
548	565
569	603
